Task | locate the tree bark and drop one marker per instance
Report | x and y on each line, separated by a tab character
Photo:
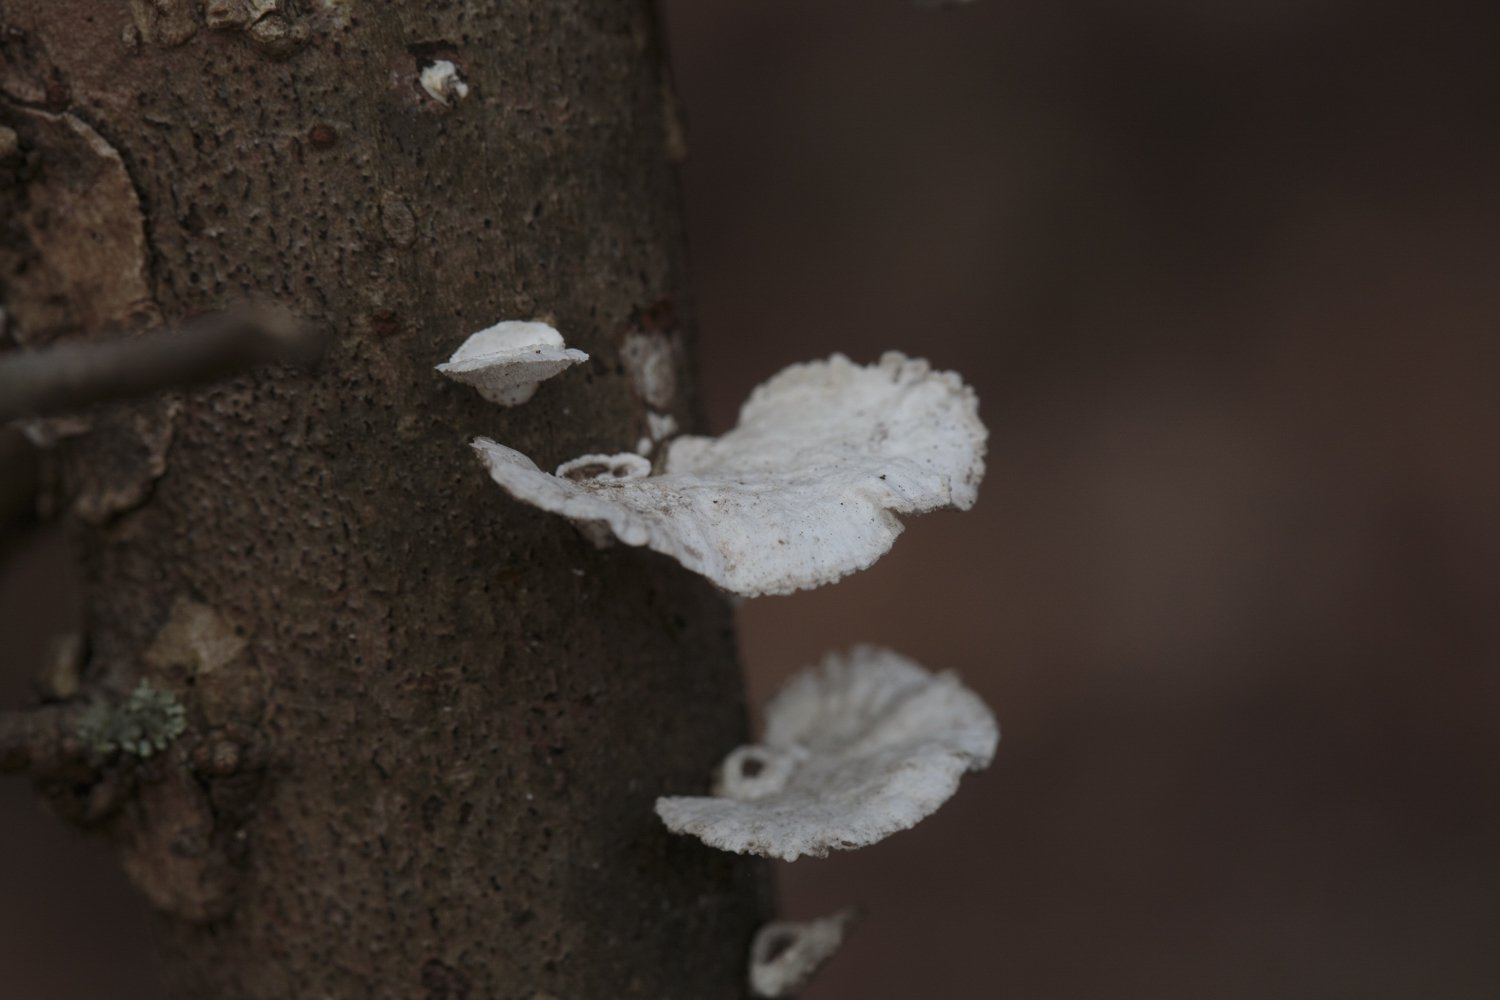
425	725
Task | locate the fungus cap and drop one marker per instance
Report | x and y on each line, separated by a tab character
803	491
507	361
855	749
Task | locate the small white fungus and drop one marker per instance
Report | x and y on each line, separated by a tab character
443	83
661	425
507	361
648	359
855	749
604	468
803	491
785	955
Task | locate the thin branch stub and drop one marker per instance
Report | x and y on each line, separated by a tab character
72	376
40	740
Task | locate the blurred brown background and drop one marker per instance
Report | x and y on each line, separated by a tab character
1227	278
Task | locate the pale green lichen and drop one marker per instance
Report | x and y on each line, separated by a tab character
146	722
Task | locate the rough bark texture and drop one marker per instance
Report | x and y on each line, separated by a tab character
425	725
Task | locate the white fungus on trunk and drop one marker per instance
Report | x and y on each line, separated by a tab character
506	362
648	359
443	82
785	955
855	749
661	425
803	491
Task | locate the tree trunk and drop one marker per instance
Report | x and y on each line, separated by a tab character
425	725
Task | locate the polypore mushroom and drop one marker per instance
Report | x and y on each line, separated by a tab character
506	362
855	749
786	955
443	82
803	491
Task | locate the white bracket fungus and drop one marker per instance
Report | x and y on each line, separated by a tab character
855	749
785	955
506	362
803	491
443	82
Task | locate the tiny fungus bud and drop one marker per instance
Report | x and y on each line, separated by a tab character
506	362
785	955
443	83
754	772
605	468
855	749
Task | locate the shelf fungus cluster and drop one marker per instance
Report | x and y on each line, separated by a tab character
507	361
861	746
805	489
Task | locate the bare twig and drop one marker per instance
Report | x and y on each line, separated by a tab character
72	376
41	740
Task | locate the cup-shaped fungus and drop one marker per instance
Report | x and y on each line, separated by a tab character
507	361
803	491
855	749
785	955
